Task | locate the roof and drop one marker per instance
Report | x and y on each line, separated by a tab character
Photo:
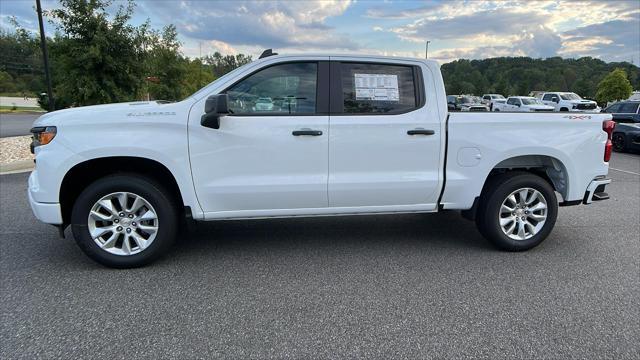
350	56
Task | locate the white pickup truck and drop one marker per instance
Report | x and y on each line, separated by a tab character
522	104
568	101
343	135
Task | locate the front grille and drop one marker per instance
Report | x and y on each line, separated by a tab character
586	106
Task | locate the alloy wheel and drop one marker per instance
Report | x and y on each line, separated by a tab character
123	223
523	214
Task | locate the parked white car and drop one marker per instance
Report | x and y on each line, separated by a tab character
124	176
491	99
522	104
264	104
568	101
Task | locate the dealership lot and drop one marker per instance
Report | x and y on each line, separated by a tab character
403	286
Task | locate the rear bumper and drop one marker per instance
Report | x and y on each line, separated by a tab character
49	213
596	191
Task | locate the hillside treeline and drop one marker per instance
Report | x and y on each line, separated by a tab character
521	75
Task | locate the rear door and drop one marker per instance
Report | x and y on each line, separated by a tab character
384	143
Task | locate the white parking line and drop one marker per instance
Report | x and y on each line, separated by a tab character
624	171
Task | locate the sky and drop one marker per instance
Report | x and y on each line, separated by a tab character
609	30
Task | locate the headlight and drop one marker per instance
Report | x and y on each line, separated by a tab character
42	135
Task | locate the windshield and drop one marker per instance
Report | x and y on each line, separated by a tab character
570	96
468	99
531	101
497	97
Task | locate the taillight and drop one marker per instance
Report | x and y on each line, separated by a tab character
608	126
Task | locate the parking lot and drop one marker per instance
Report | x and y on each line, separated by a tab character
406	286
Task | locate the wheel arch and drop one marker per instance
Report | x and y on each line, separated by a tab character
550	168
81	175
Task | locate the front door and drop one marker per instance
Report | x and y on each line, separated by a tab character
384	144
271	151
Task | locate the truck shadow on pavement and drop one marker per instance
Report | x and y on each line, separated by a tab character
422	232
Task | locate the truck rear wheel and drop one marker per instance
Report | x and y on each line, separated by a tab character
124	221
517	211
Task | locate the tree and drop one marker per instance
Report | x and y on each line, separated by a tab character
96	59
614	86
7	84
164	64
221	65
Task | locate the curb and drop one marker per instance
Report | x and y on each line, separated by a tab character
16	167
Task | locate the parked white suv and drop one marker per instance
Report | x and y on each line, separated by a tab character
365	135
522	104
491	99
568	101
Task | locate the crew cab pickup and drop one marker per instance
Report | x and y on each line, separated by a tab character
522	104
341	135
568	101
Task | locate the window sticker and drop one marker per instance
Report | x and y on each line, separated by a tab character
377	87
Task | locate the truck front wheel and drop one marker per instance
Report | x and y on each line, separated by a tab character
517	211
124	221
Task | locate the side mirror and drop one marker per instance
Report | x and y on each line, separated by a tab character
555	99
451	106
518	105
214	107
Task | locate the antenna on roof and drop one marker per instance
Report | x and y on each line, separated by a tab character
267	53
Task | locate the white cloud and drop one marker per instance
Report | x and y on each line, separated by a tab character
265	24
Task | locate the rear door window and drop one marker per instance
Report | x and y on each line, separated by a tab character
368	88
628	108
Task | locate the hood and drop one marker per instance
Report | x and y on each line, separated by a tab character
541	107
582	101
111	112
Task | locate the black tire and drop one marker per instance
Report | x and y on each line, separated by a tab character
619	142
564	109
497	189
496	110
160	199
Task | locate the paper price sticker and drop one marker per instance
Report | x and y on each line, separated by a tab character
378	87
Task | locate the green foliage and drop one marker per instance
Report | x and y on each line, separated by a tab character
164	65
7	84
615	86
97	59
221	65
20	58
521	75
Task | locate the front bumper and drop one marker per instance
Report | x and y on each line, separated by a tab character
49	213
595	191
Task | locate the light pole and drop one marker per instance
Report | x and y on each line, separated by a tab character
426	51
45	55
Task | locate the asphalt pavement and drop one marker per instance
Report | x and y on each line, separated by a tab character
17	124
405	286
